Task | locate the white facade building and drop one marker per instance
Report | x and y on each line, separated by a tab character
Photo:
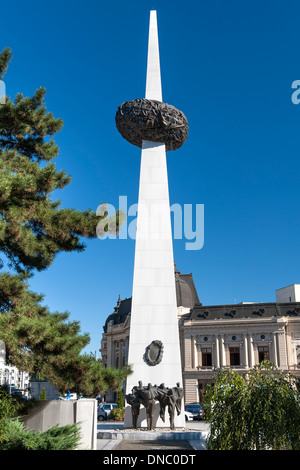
288	294
238	336
10	375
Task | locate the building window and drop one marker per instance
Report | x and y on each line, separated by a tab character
206	357
234	356
263	353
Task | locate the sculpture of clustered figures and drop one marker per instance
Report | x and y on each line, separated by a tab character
147	396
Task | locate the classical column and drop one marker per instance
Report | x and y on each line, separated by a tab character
251	352
197	353
282	349
223	356
217	353
187	352
275	352
193	346
109	350
246	351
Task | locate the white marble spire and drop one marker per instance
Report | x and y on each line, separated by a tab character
154	304
153	80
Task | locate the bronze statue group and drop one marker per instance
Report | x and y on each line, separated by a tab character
170	398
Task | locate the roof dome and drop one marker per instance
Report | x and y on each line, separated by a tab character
186	292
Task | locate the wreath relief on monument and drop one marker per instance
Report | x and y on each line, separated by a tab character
143	119
154	353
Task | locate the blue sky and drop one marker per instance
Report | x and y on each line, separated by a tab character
229	66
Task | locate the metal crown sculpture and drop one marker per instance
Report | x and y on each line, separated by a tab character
143	119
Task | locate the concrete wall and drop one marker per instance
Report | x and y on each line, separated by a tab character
36	389
62	412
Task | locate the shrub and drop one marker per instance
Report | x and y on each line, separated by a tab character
117	414
257	411
8	408
17	437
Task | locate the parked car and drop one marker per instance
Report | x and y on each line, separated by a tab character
188	416
196	409
104	410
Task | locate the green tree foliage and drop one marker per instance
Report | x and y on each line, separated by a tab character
257	411
117	414
120	402
8	407
34	228
85	374
43	394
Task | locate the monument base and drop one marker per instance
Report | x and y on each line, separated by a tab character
155	434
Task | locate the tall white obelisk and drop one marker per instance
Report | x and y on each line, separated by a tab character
154	305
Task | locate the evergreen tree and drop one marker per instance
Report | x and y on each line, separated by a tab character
120	402
33	230
43	394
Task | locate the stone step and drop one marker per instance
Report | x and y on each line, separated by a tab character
152	435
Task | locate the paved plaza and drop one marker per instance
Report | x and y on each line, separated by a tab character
145	444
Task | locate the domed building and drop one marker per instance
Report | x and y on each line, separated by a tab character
212	337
